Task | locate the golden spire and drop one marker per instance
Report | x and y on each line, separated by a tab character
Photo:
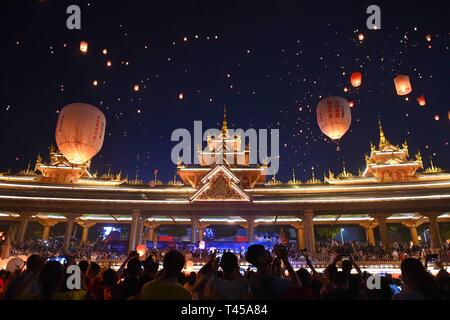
382	137
433	168
418	156
224	123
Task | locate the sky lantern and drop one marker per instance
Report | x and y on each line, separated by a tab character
437	117
95	82
356	79
351	104
334	117
181	96
428	37
109	63
361	36
141	249
105	51
402	85
136	87
448	115
83	46
421	100
80	131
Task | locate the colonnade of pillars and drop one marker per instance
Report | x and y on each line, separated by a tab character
305	230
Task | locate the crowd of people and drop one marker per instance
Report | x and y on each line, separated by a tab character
272	278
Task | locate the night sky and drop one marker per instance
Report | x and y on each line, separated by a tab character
268	62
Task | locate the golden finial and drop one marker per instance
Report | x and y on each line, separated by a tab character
344	173
313	180
372	147
224	123
330	175
418	156
405	145
382	137
432	168
274	181
366	158
294	180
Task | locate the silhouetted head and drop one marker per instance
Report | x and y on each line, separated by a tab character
93	270
83	265
416	277
347	266
134	267
173	263
258	256
412	271
229	262
51	278
340	280
192	278
304	276
109	277
35	262
329	272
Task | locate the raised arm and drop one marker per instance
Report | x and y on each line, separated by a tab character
282	254
357	268
311	266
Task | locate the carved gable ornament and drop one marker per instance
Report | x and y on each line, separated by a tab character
220	184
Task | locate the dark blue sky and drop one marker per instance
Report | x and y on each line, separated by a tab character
268	62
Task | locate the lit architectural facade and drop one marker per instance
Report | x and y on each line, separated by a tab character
392	189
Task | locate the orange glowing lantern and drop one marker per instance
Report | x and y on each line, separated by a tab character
105	51
136	87
109	63
351	104
80	131
437	117
83	46
421	100
428	37
141	250
402	85
448	115
334	117
361	36
356	79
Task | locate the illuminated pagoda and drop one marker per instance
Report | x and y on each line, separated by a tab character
391	163
227	152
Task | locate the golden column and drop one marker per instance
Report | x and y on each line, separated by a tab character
47	225
384	236
436	244
134	228
194	229
308	227
86	225
70	222
250	228
24	219
370	236
412	226
300	234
